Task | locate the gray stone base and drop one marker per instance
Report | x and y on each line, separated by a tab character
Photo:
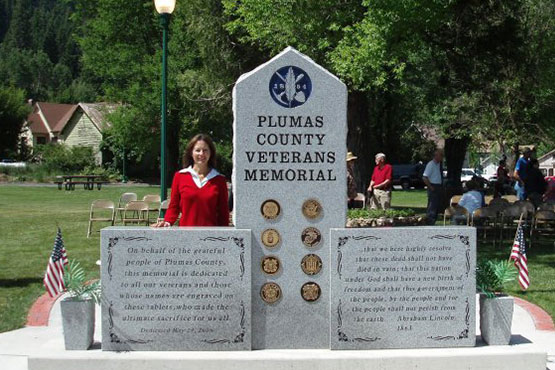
519	357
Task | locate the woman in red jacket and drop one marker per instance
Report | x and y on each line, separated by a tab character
199	192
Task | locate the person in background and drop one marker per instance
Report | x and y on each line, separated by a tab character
502	179
549	196
198	192
351	184
521	171
380	184
472	199
433	178
535	184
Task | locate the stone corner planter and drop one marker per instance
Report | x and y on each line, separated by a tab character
78	323
496	317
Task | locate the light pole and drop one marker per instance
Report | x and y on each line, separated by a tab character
164	8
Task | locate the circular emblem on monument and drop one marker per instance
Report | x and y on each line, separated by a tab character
270	238
311	237
290	86
270	209
311	264
270	265
310	291
270	292
312	209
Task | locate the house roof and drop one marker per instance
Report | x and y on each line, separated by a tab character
53	117
546	155
49	117
97	113
36	124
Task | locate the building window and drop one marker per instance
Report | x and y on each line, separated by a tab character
41	140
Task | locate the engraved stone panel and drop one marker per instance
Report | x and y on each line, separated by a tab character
403	287
176	289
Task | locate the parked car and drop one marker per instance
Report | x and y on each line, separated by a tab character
467	174
408	175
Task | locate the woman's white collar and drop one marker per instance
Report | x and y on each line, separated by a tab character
196	178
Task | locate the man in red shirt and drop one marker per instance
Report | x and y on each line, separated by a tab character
380	184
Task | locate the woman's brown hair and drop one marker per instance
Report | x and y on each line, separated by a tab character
188	155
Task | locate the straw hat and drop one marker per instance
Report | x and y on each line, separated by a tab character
351	157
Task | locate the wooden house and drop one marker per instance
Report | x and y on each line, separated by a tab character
73	124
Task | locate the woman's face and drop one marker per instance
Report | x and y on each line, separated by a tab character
201	153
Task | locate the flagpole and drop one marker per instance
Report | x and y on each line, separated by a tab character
516	233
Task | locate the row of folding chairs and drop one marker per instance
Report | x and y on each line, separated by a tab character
129	210
501	217
488	199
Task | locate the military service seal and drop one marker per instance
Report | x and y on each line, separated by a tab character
270	265
270	292
270	238
311	264
310	291
312	209
311	237
270	209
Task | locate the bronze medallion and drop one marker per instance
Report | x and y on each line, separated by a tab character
311	264
311	237
270	238
270	292
270	265
270	209
312	209
310	291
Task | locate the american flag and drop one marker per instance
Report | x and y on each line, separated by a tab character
518	254
54	276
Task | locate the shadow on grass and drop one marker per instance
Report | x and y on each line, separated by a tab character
20	282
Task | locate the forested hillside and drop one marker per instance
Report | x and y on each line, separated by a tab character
477	71
38	51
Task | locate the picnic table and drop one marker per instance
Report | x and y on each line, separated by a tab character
88	181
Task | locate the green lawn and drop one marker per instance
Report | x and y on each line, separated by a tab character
30	215
28	222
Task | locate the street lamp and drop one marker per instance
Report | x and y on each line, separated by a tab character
165	8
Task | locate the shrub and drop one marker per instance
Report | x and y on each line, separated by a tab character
65	159
377	213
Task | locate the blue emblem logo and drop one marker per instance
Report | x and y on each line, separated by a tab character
290	86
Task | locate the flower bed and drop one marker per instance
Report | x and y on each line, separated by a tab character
384	218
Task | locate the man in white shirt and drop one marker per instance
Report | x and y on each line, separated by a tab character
433	178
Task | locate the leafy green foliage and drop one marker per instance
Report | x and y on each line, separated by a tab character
76	283
493	276
13	111
65	159
377	213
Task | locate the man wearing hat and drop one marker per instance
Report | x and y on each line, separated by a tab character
351	184
520	174
380	184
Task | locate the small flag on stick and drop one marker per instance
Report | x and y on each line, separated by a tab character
54	276
518	255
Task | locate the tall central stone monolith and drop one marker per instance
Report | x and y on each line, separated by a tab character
289	188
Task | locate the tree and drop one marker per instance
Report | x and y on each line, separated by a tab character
13	112
469	68
122	50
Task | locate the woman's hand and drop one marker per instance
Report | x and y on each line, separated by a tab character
161	224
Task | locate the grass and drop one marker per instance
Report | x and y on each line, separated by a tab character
30	215
28	222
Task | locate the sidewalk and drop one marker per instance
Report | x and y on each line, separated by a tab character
43	341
